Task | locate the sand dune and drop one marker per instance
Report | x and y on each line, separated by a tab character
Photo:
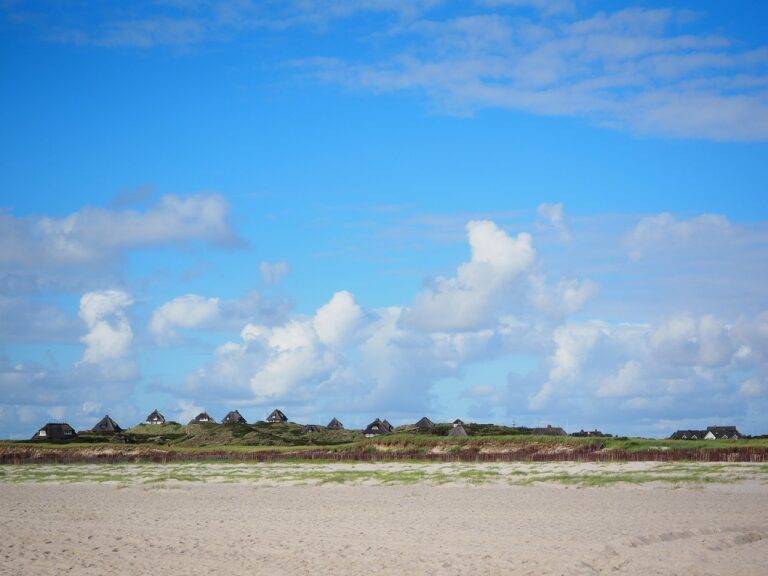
489	529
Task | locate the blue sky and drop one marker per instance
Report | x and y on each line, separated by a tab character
505	210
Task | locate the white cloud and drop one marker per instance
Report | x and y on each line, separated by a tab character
469	300
274	272
700	366
634	69
664	231
90	407
186	411
566	297
547	7
109	334
552	216
753	388
195	312
96	235
344	356
189	311
338	320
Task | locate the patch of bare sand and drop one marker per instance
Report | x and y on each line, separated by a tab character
492	529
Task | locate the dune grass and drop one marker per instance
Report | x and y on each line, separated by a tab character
516	474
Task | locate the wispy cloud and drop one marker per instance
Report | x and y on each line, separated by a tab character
635	69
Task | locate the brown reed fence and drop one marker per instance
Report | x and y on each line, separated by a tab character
32	455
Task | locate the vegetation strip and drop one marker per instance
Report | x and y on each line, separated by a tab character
586	475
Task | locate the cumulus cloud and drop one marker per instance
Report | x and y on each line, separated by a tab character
109	334
665	231
196	312
699	366
94	235
189	311
345	355
468	300
274	272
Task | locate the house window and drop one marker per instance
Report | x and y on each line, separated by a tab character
41	433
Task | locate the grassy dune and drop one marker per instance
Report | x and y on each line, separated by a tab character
262	441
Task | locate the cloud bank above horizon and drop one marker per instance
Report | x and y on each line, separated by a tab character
506	300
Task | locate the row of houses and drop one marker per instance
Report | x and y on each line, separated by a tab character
63	431
711	433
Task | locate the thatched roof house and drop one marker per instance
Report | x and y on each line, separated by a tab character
457	430
202	418
277	416
588	433
722	433
424	424
335	424
688	435
155	418
457	422
55	431
234	417
376	428
711	433
106	425
310	428
549	431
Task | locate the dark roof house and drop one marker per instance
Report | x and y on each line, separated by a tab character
202	418
376	428
587	433
424	424
711	433
549	431
55	431
310	428
155	418
335	424
277	416
688	435
457	430
106	424
722	433
233	417
457	422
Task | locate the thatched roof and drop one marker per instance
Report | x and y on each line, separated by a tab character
233	417
202	417
277	416
724	432
335	424
424	424
377	427
549	431
310	428
387	425
106	424
457	430
155	418
587	433
688	435
55	431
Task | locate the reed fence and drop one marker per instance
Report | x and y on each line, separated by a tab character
33	455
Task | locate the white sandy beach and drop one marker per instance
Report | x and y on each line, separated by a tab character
353	529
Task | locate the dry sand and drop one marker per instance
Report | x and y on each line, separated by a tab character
494	528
